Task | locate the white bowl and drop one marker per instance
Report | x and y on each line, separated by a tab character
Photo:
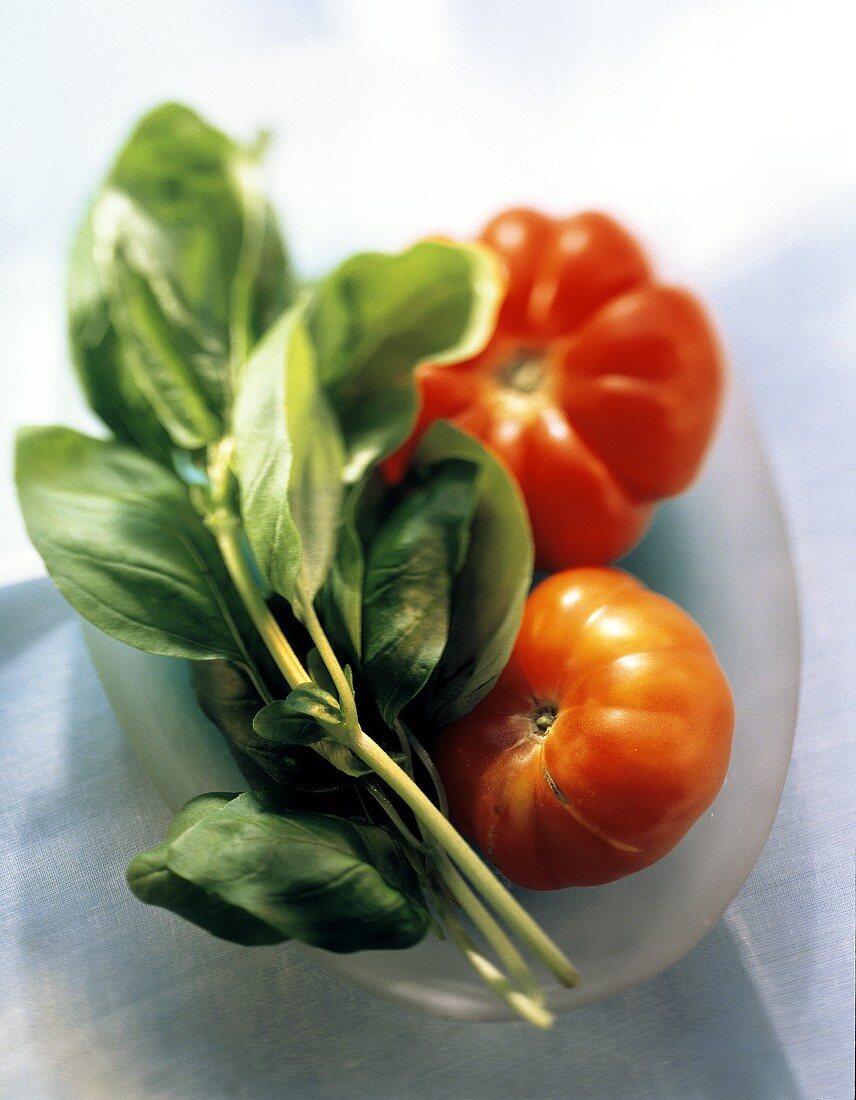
721	552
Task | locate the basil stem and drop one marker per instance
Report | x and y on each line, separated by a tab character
489	928
522	1003
456	855
225	525
502	901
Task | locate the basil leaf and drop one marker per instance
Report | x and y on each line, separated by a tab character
411	566
311	715
190	264
272	286
489	591
377	316
321	674
346	760
282	727
102	358
125	547
151	880
340	601
229	699
326	881
288	460
304	717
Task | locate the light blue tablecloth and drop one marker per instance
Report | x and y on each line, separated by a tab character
100	997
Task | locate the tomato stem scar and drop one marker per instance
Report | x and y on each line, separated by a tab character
524	371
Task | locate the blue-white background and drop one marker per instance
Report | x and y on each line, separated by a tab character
723	132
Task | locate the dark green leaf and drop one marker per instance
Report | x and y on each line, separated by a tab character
125	547
228	697
275	287
346	760
326	881
340	601
377	316
288	458
321	675
311	715
304	717
151	880
102	358
411	566
490	590
186	269
279	726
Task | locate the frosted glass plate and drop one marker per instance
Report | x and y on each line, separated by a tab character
721	552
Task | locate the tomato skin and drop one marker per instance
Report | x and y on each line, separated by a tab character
561	270
600	388
639	742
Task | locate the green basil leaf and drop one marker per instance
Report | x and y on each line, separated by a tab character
411	566
288	460
191	267
272	286
311	714
102	358
302	718
489	591
125	547
282	727
228	698
321	674
377	316
327	881
346	760
340	601
151	880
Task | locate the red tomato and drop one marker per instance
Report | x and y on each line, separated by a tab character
600	388
605	738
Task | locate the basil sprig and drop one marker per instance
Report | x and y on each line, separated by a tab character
238	518
177	270
240	868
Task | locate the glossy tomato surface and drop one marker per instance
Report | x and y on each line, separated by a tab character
606	737
600	387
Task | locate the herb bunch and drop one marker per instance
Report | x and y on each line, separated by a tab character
236	518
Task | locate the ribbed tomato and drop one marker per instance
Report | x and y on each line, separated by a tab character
605	738
600	387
